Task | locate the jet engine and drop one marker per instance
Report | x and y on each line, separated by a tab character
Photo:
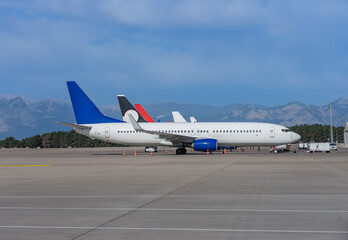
204	145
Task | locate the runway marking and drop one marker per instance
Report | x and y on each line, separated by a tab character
183	229
26	165
71	196
181	209
174	196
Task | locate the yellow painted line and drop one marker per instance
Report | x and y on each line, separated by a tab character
25	165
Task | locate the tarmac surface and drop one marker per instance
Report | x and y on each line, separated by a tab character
101	194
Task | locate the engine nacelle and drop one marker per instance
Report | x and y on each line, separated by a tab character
204	145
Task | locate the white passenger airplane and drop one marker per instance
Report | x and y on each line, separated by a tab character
201	136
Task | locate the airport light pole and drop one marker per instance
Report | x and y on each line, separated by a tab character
331	133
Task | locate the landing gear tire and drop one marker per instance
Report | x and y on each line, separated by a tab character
181	151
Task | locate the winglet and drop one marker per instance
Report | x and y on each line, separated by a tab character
168	136
136	125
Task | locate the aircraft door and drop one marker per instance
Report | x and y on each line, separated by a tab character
107	132
271	132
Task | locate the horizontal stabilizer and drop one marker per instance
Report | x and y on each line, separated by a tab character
75	126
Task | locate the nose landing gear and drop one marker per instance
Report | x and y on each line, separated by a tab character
181	151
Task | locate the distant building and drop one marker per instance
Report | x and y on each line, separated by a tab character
346	135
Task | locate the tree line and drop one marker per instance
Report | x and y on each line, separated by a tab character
309	133
318	133
55	140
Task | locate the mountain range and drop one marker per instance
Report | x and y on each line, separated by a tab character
21	117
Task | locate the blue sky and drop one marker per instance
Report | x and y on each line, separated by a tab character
195	51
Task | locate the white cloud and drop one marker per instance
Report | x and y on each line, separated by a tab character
175	43
272	15
191	13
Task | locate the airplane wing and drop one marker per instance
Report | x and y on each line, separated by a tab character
175	138
75	125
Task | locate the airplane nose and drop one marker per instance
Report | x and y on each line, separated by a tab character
297	137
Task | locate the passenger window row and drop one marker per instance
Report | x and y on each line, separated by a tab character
161	131
191	131
236	131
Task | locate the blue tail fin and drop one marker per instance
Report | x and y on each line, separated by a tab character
84	109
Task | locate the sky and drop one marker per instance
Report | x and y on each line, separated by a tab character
214	52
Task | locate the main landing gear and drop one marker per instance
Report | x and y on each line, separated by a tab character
181	151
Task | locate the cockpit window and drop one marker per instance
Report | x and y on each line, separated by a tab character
285	130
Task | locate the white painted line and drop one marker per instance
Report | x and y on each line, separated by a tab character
175	195
225	230
47	227
260	195
184	229
52	208
72	196
242	210
181	209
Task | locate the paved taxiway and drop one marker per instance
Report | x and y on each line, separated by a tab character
100	194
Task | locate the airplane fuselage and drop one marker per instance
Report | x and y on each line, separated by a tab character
226	133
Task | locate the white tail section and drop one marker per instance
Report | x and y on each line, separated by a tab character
178	118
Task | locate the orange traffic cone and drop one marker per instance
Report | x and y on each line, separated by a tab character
166	152
208	152
225	151
124	153
135	153
239	149
151	154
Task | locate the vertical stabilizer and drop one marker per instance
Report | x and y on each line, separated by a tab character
84	109
178	118
127	108
143	113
